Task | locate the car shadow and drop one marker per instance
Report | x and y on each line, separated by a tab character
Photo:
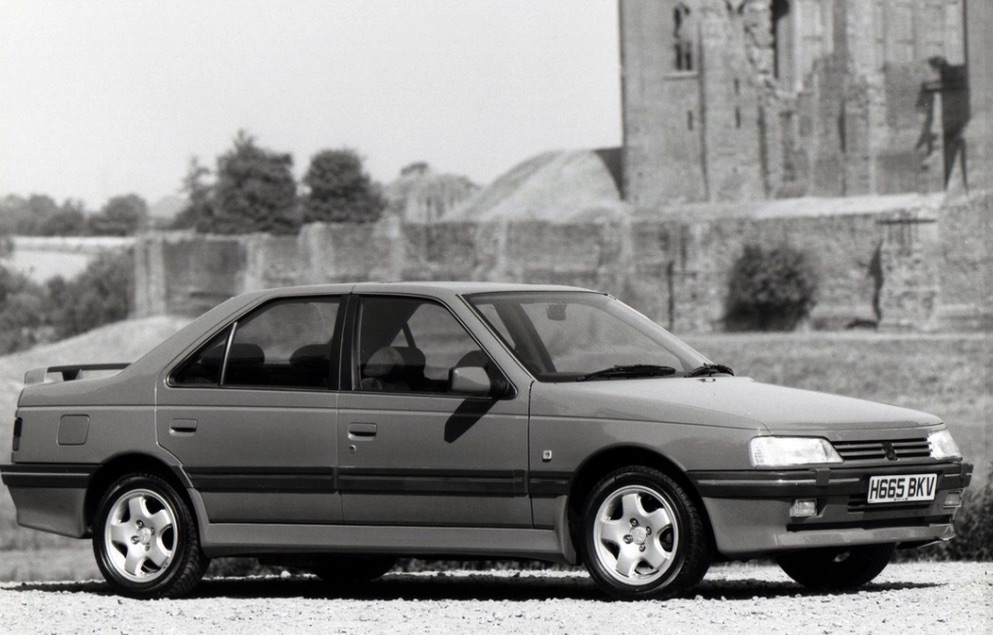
461	587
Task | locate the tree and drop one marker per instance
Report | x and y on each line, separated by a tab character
37	211
255	191
121	216
339	190
12	209
70	220
198	212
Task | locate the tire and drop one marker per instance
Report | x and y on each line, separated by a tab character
836	568
145	539
345	570
642	536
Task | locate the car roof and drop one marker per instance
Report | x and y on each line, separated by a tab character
426	287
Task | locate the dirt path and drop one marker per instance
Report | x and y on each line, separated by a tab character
914	598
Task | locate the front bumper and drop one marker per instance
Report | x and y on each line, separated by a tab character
750	509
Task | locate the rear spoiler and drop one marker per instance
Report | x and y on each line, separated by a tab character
69	373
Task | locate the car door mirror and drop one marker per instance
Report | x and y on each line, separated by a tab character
471	380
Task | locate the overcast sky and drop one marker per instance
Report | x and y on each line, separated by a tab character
100	98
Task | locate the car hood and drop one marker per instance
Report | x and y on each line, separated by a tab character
737	402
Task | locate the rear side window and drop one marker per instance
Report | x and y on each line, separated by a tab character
284	344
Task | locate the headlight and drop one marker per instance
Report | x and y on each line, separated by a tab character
783	451
943	446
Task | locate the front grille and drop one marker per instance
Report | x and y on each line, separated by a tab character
917	448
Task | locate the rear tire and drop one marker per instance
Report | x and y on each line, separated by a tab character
836	568
642	536
145	539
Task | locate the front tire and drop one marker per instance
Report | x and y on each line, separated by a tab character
642	536
836	568
145	539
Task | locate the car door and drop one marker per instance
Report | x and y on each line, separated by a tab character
251	414
412	451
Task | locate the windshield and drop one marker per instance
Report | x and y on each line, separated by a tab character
566	336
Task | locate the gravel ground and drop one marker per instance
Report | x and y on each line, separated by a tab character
907	598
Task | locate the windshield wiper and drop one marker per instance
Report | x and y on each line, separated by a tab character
630	370
710	369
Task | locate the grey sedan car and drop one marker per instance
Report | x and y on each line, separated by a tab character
336	428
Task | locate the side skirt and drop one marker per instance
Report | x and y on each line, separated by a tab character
232	539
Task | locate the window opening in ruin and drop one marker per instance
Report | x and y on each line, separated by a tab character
737	86
689	120
782	42
879	28
812	18
683	36
901	32
934	20
737	116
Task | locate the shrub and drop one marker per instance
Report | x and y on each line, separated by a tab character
99	295
21	305
973	532
770	289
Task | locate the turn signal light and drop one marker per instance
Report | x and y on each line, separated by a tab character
15	444
954	499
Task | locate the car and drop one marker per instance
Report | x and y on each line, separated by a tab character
336	428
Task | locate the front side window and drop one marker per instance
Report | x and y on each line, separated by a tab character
564	336
283	344
411	345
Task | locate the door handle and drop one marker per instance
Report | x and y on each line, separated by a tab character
183	425
361	430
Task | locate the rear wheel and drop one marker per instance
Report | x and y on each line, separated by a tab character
145	539
643	536
836	568
343	570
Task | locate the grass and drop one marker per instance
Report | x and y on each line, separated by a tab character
947	375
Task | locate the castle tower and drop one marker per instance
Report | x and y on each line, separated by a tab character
978	133
690	104
736	100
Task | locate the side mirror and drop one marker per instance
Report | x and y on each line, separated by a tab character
471	380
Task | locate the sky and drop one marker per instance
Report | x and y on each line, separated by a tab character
102	98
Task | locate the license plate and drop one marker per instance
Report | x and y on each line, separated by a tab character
902	489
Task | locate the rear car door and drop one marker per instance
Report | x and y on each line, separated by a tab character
412	451
250	413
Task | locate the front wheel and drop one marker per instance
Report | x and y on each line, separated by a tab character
643	536
836	568
145	539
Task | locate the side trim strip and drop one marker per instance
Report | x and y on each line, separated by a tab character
54	475
438	482
360	480
549	484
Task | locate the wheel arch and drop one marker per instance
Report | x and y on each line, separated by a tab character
132	463
609	459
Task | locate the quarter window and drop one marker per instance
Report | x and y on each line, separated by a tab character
204	368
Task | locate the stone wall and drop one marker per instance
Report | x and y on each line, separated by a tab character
966	274
899	267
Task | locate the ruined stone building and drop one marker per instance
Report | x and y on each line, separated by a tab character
732	100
